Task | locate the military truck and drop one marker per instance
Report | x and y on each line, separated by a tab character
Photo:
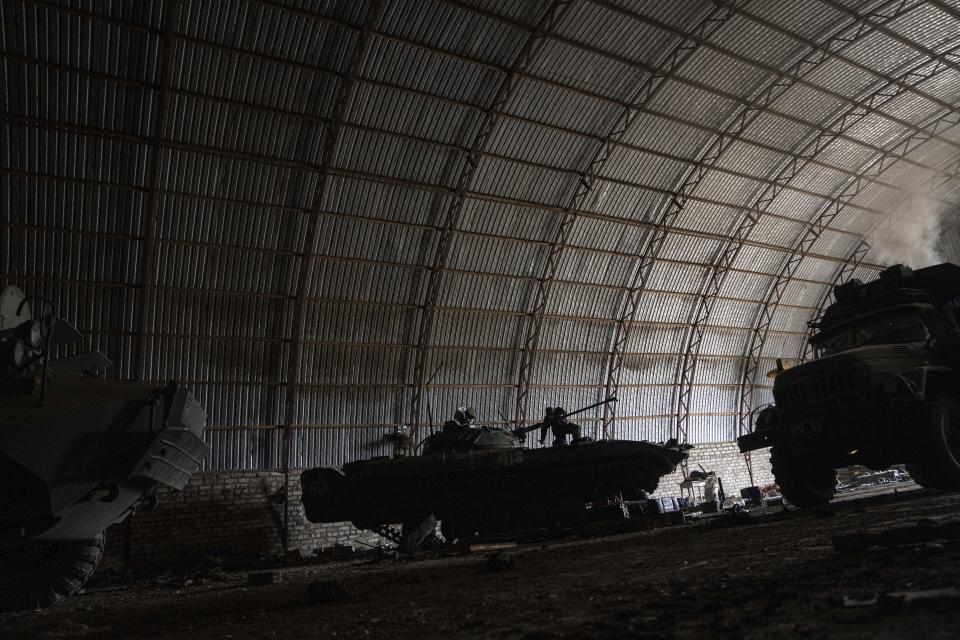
882	389
77	452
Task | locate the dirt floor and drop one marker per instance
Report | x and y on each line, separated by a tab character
777	576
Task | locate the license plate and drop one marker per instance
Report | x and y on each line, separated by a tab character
803	428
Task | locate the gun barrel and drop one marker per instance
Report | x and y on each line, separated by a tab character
521	431
528	428
592	406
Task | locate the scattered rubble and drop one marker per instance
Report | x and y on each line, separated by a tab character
902	598
779	577
925	531
500	561
260	578
321	591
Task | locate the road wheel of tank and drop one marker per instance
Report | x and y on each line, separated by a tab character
805	481
936	462
42	574
458	524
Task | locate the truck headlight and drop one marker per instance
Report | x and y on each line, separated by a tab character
35	334
14	352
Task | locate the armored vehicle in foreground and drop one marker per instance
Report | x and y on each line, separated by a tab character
481	480
883	388
77	453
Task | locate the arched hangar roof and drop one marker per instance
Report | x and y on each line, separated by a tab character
343	216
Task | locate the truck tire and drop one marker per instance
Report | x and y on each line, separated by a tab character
45	573
936	454
805	481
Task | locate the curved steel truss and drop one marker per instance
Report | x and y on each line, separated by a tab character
648	89
548	22
748	113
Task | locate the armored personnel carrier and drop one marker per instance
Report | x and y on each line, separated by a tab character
883	388
481	480
77	452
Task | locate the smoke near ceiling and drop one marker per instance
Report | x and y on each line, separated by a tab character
949	244
911	237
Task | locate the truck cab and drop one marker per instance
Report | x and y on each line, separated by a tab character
882	388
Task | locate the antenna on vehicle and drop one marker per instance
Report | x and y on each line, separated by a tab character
427	384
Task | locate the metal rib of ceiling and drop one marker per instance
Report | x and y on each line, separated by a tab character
343	216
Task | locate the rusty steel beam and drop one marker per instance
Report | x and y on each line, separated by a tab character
451	221
248	53
148	262
495	274
826	136
343	96
876	18
252	250
875	13
567	87
226	153
650	254
820	222
878	14
302	166
584	185
288	163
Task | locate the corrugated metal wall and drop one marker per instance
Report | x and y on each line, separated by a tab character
192	182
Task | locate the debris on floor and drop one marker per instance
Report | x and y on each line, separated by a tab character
923	532
68	630
500	561
902	598
778	577
922	596
321	591
260	578
856	477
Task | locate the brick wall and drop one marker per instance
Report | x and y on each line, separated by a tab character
241	512
235	513
724	458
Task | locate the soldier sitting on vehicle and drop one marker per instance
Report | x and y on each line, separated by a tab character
556	420
448	439
464	419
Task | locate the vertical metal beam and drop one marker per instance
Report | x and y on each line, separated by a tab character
635	105
148	262
545	26
824	138
341	101
650	253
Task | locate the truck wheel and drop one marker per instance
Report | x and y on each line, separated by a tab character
936	462
805	481
44	573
